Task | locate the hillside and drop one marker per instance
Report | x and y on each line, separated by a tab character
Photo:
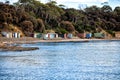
33	16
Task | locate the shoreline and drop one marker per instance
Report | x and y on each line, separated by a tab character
12	44
28	40
17	48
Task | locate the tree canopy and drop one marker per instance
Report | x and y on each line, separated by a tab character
34	16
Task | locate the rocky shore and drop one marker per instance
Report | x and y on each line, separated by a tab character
14	48
8	45
5	43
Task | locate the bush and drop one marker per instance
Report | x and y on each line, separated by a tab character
63	31
27	27
40	26
111	32
67	26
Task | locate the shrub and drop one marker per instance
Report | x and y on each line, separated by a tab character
27	27
67	26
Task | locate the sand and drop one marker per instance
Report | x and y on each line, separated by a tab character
35	40
5	43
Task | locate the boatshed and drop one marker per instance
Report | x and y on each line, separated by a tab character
81	35
99	35
69	35
88	35
50	36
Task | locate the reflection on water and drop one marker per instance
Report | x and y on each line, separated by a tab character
63	61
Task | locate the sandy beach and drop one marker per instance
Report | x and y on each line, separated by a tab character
35	40
12	44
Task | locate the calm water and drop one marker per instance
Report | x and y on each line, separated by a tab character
63	61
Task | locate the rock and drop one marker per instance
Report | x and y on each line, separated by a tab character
17	48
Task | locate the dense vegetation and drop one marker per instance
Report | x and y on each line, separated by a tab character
34	16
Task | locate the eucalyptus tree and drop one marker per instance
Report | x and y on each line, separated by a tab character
61	6
68	26
54	14
117	10
106	8
72	14
25	1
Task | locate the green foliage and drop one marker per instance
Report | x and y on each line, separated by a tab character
40	27
34	16
117	10
68	26
60	30
27	27
111	32
63	31
79	27
106	8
